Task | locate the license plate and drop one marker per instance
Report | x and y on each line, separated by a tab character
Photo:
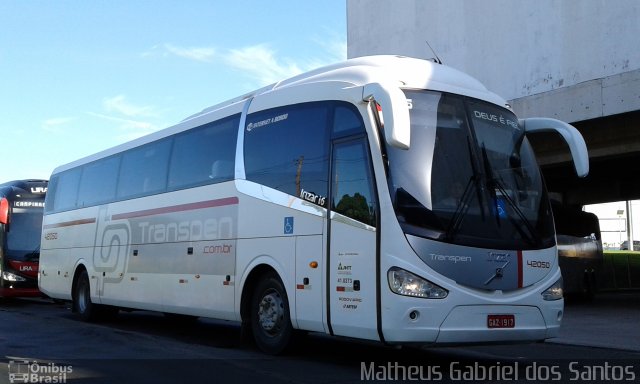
501	321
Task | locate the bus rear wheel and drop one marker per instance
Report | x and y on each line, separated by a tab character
270	319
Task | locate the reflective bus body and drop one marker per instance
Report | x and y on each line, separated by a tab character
384	198
580	251
21	207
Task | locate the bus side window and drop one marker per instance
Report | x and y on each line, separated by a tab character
64	193
98	183
287	149
346	121
353	194
144	170
221	170
205	154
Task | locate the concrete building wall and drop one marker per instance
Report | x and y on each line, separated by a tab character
573	60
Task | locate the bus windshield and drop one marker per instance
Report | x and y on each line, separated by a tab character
470	176
23	238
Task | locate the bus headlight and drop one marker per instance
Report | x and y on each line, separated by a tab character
554	292
8	276
406	283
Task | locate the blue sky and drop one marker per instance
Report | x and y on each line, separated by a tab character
77	77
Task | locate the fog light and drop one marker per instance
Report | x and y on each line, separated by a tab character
414	315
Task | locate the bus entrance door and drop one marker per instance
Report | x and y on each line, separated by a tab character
352	242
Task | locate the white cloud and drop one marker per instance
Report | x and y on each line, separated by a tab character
131	128
56	124
335	46
205	54
132	119
202	54
119	105
260	63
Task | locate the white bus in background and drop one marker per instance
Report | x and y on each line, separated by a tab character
383	198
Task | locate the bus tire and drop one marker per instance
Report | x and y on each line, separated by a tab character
270	319
82	305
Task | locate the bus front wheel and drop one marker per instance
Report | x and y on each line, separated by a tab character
84	307
270	320
82	304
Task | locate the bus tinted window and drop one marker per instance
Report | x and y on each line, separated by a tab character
353	193
346	120
204	155
64	190
144	170
26	225
98	183
287	149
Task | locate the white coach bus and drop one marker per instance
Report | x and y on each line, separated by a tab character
384	198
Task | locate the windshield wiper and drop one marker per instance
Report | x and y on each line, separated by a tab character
463	204
461	210
493	183
533	237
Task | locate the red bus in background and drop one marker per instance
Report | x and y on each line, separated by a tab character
21	207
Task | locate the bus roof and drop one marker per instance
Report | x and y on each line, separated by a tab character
406	72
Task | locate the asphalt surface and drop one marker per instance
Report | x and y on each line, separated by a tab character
142	347
610	320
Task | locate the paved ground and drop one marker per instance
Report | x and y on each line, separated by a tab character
602	337
611	320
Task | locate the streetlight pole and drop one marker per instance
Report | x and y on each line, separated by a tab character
630	226
620	227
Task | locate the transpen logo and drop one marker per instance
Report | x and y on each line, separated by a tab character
188	230
115	239
450	258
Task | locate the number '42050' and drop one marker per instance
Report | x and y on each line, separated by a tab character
538	264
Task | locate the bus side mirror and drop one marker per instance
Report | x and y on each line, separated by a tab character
395	109
568	132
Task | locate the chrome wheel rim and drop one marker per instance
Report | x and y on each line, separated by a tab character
271	312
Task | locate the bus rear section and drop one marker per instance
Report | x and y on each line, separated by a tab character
580	252
21	208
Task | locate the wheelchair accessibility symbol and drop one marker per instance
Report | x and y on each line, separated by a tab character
288	225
